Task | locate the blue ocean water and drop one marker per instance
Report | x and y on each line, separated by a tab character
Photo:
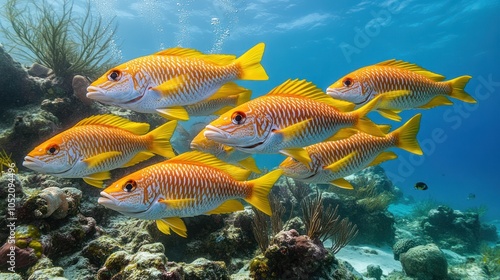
322	41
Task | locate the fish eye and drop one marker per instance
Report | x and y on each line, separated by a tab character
115	75
53	149
238	118
347	82
130	186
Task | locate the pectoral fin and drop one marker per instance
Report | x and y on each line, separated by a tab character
294	130
299	154
172	85
342	163
227	207
342	183
142	156
174	223
97	179
100	158
174	113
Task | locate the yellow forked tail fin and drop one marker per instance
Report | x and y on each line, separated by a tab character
458	89
260	189
160	139
249	62
406	135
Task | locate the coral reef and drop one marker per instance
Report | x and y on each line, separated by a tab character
453	229
18	89
53	202
291	255
403	245
373	227
425	262
374	271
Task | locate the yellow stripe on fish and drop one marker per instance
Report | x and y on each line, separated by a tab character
166	81
293	115
98	144
401	85
190	184
333	160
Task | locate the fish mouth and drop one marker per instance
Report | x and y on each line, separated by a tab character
32	163
37	165
338	95
219	135
99	94
216	134
112	203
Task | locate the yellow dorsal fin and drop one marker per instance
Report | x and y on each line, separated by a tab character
219	59
97	178
174	113
437	101
227	207
116	121
412	67
305	89
250	164
177	203
299	154
343	133
142	156
100	158
174	223
342	163
342	183
383	156
197	157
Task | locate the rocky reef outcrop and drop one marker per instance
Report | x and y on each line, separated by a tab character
453	229
425	262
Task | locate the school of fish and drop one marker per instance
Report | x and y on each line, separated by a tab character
325	135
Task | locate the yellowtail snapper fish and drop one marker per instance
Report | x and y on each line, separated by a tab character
166	81
402	86
333	160
292	115
191	184
98	144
